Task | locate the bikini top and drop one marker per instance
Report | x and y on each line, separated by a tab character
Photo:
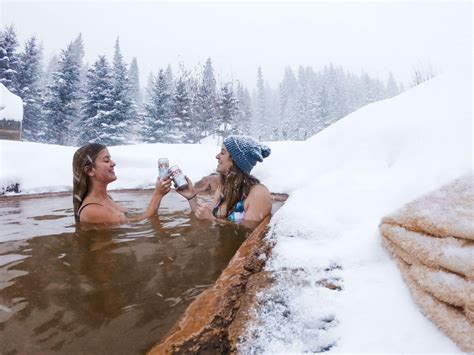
237	215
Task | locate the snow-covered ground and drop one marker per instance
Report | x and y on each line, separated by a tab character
341	182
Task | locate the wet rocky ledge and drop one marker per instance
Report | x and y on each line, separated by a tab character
216	320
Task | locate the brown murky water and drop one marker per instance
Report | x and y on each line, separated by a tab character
102	291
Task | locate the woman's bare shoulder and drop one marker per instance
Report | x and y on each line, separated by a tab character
96	213
259	192
259	189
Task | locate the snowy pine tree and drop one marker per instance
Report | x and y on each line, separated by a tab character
28	78
98	104
158	110
63	99
206	105
119	126
78	55
288	92
9	59
273	124
259	125
243	118
227	110
170	78
194	133
181	113
47	77
134	76
302	107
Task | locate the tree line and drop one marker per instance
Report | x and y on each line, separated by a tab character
69	102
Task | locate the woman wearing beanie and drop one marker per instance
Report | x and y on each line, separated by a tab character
240	197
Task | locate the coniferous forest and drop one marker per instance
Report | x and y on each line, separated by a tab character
69	102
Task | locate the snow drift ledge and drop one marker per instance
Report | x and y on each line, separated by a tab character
204	327
432	241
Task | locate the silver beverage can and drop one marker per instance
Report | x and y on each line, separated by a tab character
163	166
178	177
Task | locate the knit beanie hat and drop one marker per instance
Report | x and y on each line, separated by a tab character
245	151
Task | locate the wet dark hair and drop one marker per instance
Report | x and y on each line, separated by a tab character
83	160
235	187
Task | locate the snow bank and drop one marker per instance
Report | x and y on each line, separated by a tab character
342	182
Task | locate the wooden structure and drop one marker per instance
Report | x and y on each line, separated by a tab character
10	129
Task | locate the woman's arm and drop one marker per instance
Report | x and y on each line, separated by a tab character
190	194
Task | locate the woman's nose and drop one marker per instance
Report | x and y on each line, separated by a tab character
112	163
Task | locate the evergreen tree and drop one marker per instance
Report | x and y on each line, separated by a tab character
78	55
47	78
300	130
134	76
322	98
260	107
98	103
194	132
9	59
158	110
288	93
227	110
77	48
170	78
206	108
63	99
244	110
181	108
181	113
28	78
124	111
272	113
336	98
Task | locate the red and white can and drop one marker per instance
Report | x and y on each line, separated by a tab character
178	177
163	167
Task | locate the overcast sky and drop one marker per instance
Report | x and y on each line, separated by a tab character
377	37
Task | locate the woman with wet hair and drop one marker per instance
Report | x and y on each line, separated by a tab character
240	197
93	170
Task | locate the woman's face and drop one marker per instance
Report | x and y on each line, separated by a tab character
224	161
103	168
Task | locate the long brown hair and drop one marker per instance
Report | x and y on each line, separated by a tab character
83	160
235	187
